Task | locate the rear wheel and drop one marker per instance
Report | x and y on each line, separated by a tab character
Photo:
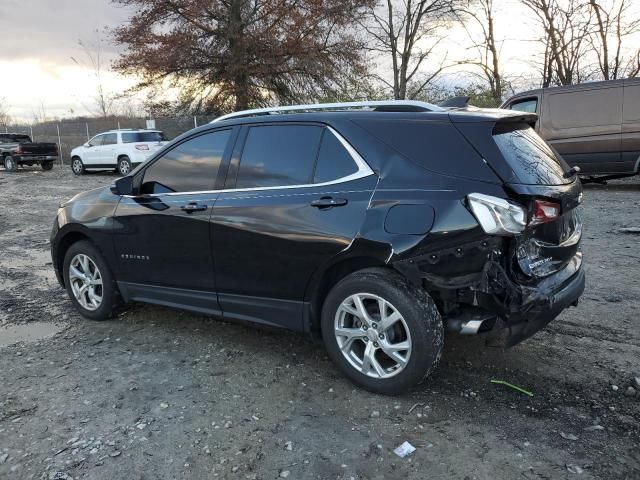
77	167
383	333
10	163
89	282
124	165
46	165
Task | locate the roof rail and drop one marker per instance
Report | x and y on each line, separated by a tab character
378	105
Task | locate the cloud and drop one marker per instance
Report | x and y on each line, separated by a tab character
49	30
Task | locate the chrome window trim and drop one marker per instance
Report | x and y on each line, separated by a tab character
364	170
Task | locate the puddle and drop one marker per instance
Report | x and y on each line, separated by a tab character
29	332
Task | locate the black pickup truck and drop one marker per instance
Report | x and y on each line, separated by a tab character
17	149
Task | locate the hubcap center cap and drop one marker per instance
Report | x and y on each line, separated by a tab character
372	335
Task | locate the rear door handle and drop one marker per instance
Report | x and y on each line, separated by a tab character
194	207
329	202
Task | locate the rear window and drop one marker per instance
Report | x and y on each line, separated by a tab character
137	137
15	138
531	159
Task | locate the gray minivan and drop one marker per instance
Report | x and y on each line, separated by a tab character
595	126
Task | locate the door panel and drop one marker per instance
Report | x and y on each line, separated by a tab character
164	240
584	126
267	244
631	126
162	234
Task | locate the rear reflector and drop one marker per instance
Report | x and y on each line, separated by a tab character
142	147
544	211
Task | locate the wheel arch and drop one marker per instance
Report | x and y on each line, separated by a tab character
63	245
323	281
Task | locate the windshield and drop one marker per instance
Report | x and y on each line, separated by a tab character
135	137
531	159
15	139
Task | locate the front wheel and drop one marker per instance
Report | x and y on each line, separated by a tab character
384	333
124	166
10	163
89	281
77	167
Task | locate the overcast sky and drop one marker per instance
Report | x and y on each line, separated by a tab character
39	37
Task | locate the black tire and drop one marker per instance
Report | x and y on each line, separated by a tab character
46	165
10	163
109	289
77	167
124	165
420	315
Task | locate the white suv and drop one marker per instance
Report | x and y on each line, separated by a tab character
121	150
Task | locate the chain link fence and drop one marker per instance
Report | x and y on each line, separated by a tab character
68	134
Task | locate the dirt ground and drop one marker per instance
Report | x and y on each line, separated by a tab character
157	393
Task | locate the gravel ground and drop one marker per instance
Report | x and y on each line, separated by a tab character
157	393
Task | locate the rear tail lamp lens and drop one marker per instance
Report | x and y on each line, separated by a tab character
544	211
142	147
497	216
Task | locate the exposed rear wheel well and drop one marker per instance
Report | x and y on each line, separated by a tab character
64	245
331	277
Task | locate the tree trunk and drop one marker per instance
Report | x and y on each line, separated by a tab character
240	79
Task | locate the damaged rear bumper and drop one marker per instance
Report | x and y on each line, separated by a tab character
543	303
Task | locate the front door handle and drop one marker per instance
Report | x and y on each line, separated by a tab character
329	202
194	207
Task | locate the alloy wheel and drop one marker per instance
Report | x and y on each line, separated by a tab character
77	166
124	167
86	282
372	335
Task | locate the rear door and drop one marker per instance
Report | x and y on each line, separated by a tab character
107	151
297	195
162	235
631	126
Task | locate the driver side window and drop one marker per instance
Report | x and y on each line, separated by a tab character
96	141
192	166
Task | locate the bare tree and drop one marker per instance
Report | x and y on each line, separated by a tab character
407	33
487	47
613	26
5	118
566	26
103	101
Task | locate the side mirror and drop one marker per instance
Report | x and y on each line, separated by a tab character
88	145
122	186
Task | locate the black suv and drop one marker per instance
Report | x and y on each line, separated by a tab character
375	225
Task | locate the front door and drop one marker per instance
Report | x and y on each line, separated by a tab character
162	234
92	154
298	198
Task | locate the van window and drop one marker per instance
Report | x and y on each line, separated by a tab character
585	108
278	155
531	159
527	105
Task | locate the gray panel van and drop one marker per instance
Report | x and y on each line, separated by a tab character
595	126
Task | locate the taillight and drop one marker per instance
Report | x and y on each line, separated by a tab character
142	147
19	149
497	216
544	211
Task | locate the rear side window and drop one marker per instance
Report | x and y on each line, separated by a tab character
136	137
190	167
438	147
531	159
278	155
334	161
